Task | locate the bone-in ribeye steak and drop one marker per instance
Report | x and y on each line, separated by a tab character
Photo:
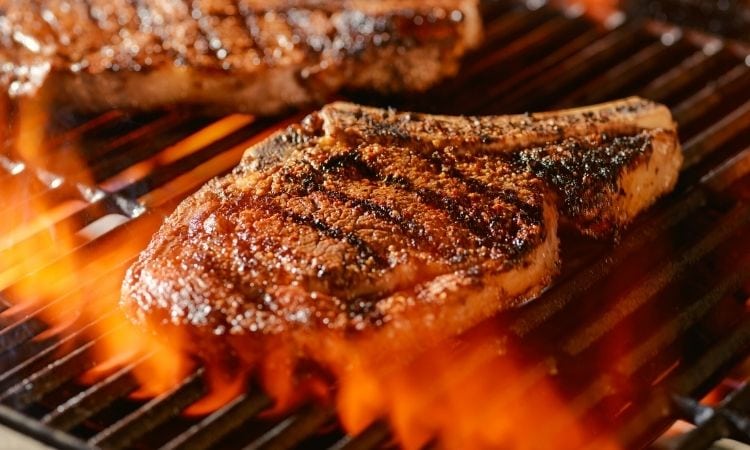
370	222
259	56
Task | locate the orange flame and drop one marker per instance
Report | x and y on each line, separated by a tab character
466	392
46	272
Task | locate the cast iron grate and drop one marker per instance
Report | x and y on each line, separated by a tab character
680	276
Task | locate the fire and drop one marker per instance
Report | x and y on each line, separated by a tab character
472	391
47	271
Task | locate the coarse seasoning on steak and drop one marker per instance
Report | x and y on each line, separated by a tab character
257	56
375	225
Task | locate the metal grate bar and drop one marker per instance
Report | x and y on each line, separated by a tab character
562	294
657	281
374	436
650	419
145	146
92	400
596	391
728	419
168	172
19	332
533	94
519	34
293	430
116	144
522	47
515	23
124	433
670	331
554	55
700	146
654	58
43	433
217	425
524	75
165	196
74	133
42	359
99	207
702	64
32	388
729	172
716	135
712	96
32	185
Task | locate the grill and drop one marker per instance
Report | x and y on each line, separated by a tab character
667	304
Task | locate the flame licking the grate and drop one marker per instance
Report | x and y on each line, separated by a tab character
47	272
476	390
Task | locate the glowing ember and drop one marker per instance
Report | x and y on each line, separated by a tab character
605	12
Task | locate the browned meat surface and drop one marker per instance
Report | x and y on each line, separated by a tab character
259	56
397	228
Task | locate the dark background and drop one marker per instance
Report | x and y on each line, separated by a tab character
730	18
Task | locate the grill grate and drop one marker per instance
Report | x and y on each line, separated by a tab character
680	276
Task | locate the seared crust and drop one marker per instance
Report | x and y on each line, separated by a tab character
396	227
259	56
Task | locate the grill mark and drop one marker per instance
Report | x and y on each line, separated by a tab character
366	253
367	256
313	182
210	34
207	34
48	28
410	227
181	53
254	294
56	32
458	211
447	164
468	217
251	25
142	9
101	27
245	17
89	7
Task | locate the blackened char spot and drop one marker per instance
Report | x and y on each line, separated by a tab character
352	159
583	171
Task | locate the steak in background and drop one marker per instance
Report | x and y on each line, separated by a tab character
258	56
